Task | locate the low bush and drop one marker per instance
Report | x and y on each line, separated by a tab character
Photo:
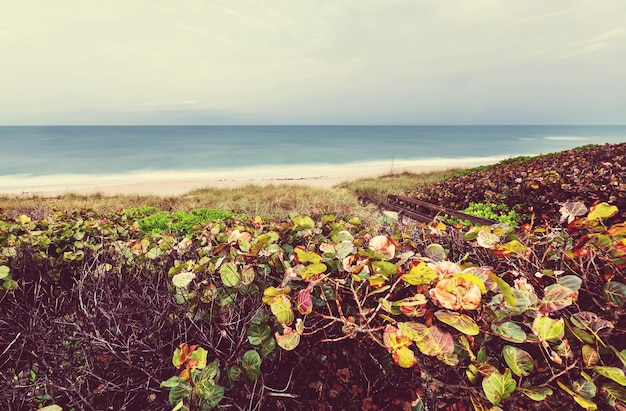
93	309
177	222
495	212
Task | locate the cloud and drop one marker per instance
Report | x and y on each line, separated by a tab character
315	62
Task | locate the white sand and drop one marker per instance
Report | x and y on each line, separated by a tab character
166	184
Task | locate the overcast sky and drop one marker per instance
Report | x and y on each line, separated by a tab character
312	62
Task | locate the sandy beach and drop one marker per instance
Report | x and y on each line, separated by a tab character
176	183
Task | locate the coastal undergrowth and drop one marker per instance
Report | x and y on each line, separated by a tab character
486	318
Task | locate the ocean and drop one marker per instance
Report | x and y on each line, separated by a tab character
32	154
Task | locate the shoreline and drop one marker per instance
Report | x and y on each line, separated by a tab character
164	183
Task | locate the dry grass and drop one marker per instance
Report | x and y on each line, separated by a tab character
274	201
400	184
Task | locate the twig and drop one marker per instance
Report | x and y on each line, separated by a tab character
11	343
555	376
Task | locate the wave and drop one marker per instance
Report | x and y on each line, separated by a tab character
569	138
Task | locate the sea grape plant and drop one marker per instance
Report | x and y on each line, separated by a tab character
511	333
195	387
533	313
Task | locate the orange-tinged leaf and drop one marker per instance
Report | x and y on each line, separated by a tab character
397	344
404	357
393	338
383	245
456	293
436	342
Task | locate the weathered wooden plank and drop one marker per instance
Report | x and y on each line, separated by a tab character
440	209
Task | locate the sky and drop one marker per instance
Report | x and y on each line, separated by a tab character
106	62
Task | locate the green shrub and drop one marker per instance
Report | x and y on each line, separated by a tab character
140	212
496	212
180	222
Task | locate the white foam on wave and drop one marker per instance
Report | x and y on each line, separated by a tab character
568	138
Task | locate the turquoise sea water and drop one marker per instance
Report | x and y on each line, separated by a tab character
27	152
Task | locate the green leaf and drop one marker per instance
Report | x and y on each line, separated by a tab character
183	279
613	393
290	338
271	293
505	289
548	329
614	373
435	252
518	360
234	373
230	275
4	271
178	394
303	256
267	347
420	274
247	275
209	391
591	323
615	293
498	387
536	393
461	322
385	268
601	211
281	308
171	382
584	386
397	344
621	355
580	400
52	407
303	222
199	355
511	247
509	331
415	331
312	270
573	282
590	356
251	364
181	403
556	297
258	333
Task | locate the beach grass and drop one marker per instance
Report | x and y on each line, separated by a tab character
275	202
393	183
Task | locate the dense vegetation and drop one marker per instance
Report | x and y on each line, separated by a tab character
538	186
105	311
